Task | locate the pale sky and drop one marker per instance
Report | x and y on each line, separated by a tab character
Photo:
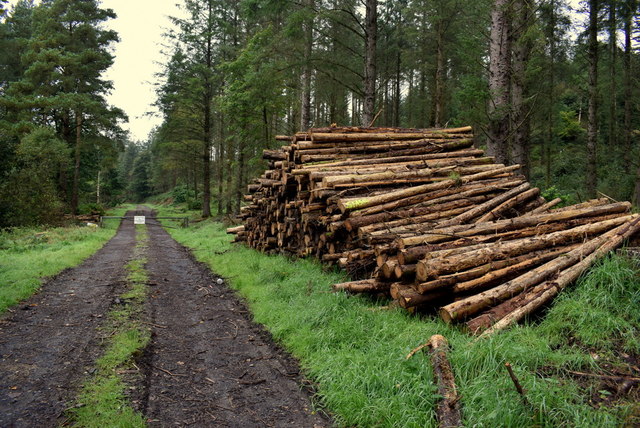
140	25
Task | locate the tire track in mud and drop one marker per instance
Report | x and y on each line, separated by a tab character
50	341
210	365
207	364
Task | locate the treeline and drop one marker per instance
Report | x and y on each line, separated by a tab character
59	138
520	71
553	89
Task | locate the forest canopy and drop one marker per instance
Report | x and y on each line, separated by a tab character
545	86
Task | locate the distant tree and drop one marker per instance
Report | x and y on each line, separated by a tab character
140	184
29	191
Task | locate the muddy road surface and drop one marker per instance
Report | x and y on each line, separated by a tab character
208	364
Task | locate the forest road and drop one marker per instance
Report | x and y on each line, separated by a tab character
208	364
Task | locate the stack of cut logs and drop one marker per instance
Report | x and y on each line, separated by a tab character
423	216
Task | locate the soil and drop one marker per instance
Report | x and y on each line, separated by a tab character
207	364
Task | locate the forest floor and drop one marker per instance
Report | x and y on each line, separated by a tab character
206	362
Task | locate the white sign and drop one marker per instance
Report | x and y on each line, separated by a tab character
138	219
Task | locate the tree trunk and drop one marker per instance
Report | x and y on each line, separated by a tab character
438	96
206	161
76	167
206	127
397	99
613	87
499	76
221	161
592	127
521	54
371	34
307	30
631	6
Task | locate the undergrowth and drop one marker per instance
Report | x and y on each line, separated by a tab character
355	353
102	401
28	256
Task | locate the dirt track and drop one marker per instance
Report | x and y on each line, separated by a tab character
207	364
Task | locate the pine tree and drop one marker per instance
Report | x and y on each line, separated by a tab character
63	86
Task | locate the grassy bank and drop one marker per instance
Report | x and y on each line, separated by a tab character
355	351
102	401
29	255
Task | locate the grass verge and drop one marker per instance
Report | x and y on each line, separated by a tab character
102	401
355	352
28	256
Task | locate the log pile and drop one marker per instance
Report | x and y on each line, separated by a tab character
423	216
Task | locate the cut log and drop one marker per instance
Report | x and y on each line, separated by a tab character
235	230
391	211
545	207
517	308
474	304
508	204
363	286
359	204
448	233
378	136
483	208
448	410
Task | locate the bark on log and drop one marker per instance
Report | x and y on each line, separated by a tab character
483	208
515	309
442	196
377	136
363	286
235	230
348	206
545	207
474	304
508	204
448	410
453	232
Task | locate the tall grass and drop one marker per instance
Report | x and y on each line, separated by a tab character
28	256
355	352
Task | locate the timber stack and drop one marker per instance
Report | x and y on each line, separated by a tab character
423	216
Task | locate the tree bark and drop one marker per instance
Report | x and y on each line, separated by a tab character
592	126
474	304
76	166
515	309
630	9
613	87
307	30
448	410
369	84
438	96
499	76
521	53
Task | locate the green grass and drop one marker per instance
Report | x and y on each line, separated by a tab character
28	256
102	401
355	353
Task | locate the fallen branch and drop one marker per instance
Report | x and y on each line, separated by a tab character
448	411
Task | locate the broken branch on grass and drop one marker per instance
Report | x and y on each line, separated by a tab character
516	383
448	410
